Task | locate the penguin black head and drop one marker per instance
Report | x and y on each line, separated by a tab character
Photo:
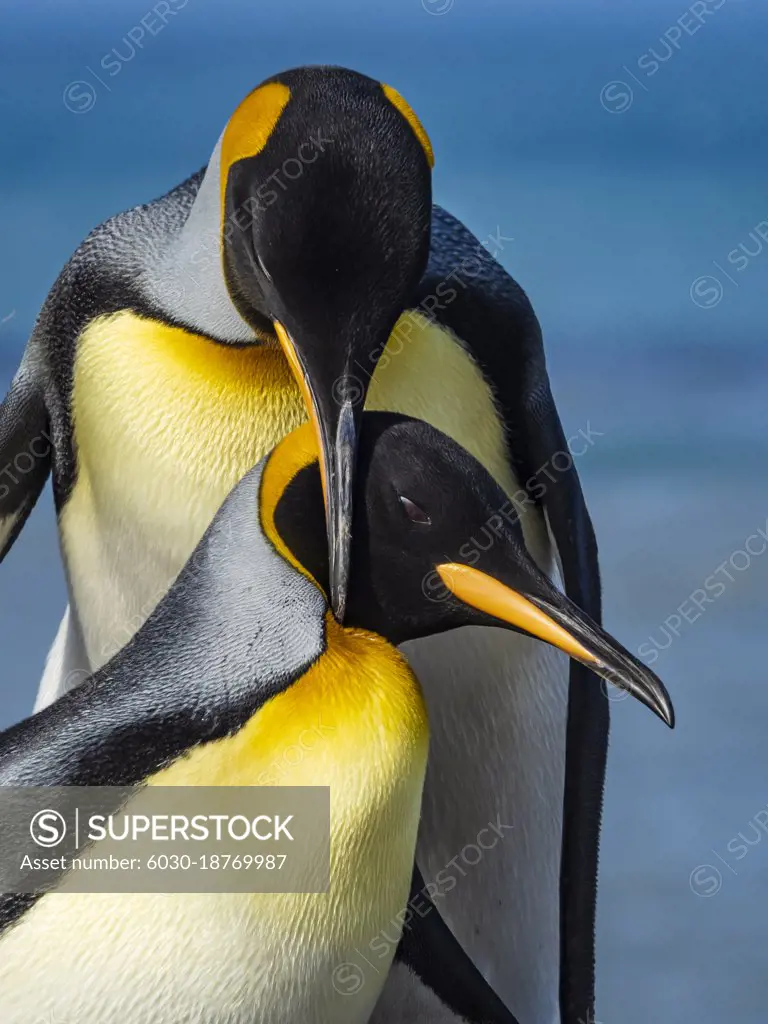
326	206
436	546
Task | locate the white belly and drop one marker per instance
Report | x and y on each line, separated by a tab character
172	959
497	705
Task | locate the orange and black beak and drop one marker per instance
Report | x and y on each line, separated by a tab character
527	602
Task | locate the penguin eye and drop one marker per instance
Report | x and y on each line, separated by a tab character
414	513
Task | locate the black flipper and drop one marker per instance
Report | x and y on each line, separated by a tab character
467	291
588	722
429	949
25	449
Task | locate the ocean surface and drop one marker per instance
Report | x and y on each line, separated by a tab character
620	152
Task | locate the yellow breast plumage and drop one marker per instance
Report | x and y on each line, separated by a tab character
167	421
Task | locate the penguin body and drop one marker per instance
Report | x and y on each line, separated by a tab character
240	660
159	392
165	422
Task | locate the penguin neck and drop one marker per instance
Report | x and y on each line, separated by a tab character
189	280
388	619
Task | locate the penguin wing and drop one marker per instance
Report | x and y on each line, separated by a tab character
197	670
112	730
77	741
25	448
430	950
161	696
472	295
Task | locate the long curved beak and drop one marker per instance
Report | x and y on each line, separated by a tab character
334	401
534	606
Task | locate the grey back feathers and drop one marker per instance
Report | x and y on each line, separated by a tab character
184	277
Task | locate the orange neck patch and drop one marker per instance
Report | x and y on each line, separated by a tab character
250	127
397	100
292	454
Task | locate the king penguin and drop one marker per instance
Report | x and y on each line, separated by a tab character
305	271
236	662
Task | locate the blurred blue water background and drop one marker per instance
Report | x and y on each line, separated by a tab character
621	149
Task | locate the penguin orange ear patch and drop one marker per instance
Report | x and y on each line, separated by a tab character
251	125
397	100
288	458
